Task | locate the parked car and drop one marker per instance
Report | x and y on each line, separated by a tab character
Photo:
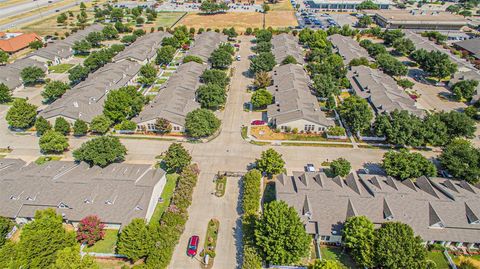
236	45
193	246
239	57
310	168
258	122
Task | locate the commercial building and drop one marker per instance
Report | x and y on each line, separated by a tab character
295	107
205	43
10	73
117	193
284	45
418	19
381	91
13	42
61	50
439	210
144	49
175	99
347	5
348	48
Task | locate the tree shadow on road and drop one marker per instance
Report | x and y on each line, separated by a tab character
237	230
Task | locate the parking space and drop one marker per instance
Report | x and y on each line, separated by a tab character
315	20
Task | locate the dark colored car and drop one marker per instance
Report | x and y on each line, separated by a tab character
258	122
193	246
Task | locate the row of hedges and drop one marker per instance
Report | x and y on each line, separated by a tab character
166	234
250	205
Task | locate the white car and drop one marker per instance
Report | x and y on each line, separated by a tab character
310	167
239	57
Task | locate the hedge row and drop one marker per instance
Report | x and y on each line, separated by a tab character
166	234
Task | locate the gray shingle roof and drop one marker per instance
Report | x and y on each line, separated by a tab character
117	193
293	98
470	45
143	48
85	100
177	98
381	90
63	48
348	48
10	73
284	45
331	203
206	43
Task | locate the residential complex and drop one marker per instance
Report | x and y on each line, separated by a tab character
439	210
117	193
284	45
295	107
418	19
174	101
381	91
61	50
10	74
205	43
348	48
471	46
144	49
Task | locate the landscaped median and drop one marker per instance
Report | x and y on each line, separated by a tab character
210	244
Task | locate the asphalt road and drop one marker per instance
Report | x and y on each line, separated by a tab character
25	7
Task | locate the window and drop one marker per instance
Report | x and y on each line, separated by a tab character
176	128
151	126
62	205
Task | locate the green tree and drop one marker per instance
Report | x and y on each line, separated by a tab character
391	65
78	73
221	59
31	75
251	260
70	258
6	225
435	130
62	18
271	162
201	123
148	74
62	126
165	55
126	125
82	47
340	167
405	83
464	89
124	103
265	62
359	61
5	94
101	151
405	165
458	124
401	128
358	235
100	124
176	158
289	60
327	264
403	46
436	63
53	142
163	126
54	90
82	6
280	226
265	7
41	240
262	79
389	36
134	240
462	160
109	32
21	114
211	96
364	21
326	85
396	246
35	45
80	128
42	125
214	76
128	39
264	46
192	58
251	192
263	36
368	4
356	113
261	98
3	57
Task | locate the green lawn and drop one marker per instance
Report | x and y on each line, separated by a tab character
107	244
60	68
43	159
220	186
166	196
166	19
335	253
439	259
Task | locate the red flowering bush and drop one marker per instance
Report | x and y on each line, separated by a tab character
90	230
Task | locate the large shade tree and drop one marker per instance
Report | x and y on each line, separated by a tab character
101	151
356	113
271	162
404	165
358	235
21	114
462	160
134	240
124	103
201	123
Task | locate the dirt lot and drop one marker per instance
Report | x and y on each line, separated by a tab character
240	20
